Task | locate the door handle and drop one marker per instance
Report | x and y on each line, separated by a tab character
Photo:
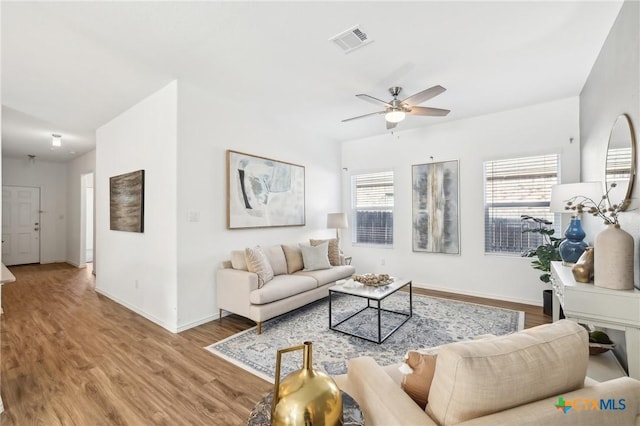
36	229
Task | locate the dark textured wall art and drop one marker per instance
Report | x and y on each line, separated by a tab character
262	192
435	208
126	202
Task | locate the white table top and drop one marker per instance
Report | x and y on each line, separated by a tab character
371	292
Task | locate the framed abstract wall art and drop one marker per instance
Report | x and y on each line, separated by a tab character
436	226
262	192
126	202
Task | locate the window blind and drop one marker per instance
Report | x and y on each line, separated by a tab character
515	187
372	208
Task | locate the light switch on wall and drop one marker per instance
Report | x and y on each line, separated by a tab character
193	216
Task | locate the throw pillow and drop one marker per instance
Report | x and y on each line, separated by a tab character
420	375
315	257
334	250
239	260
258	263
293	254
277	260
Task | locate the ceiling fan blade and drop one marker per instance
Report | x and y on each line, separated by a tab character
362	116
391	125
373	100
425	95
433	112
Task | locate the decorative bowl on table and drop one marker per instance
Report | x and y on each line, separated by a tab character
600	348
373	280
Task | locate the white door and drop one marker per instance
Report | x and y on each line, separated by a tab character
20	225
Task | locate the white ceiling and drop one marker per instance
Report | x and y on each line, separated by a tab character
70	67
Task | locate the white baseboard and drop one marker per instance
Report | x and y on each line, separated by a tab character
192	324
157	321
77	265
477	294
135	309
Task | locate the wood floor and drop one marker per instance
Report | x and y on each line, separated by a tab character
73	357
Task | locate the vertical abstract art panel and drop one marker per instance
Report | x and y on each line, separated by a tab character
262	192
126	202
435	208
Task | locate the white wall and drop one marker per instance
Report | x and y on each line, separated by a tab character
539	129
51	178
613	88
75	170
203	141
139	269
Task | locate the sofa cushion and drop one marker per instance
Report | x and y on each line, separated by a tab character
281	287
257	262
315	257
333	252
420	375
326	276
293	254
481	377
239	260
276	259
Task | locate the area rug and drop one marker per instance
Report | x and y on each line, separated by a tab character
435	322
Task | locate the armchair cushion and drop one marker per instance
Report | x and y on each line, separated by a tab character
481	377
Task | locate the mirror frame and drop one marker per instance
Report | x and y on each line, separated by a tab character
632	176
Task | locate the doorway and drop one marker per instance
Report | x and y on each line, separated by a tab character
20	225
87	229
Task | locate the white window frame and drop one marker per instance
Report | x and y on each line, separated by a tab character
354	209
509	227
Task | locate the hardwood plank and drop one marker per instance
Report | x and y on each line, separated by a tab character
71	356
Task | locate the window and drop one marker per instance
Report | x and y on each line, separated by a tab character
372	208
515	187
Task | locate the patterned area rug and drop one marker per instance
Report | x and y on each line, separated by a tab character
435	322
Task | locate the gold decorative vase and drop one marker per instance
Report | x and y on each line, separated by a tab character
583	269
305	397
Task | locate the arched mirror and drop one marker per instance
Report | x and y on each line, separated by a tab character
621	160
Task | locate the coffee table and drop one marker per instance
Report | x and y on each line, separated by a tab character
374	296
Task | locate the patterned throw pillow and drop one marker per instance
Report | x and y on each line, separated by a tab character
420	375
258	263
239	260
315	258
334	250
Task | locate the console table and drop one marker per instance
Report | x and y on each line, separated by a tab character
602	307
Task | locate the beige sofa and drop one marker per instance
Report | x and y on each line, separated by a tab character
238	290
508	380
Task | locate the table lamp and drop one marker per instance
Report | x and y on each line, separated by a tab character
337	220
574	245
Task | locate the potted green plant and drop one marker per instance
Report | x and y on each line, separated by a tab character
545	253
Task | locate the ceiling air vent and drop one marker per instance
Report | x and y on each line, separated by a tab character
351	39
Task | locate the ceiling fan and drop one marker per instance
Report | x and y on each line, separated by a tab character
395	110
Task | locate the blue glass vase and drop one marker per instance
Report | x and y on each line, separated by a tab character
572	248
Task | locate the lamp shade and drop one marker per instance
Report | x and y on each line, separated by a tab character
561	193
337	220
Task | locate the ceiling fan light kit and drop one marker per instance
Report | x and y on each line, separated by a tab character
394	116
396	110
